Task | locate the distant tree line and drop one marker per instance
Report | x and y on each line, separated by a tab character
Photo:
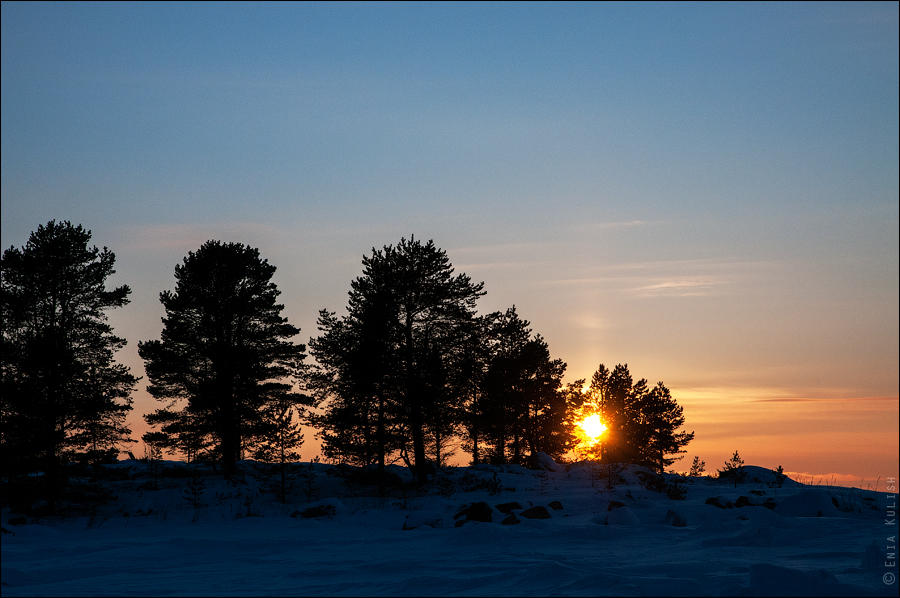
410	372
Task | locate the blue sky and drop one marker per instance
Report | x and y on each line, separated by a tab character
708	192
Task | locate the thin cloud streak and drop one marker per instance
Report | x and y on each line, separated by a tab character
679	288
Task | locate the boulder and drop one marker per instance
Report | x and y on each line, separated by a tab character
508	507
555	505
477	511
718	501
511	519
536	513
615	504
316	512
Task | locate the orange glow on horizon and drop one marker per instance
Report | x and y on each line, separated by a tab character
589	430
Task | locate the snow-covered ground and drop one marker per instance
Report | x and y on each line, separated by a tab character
227	538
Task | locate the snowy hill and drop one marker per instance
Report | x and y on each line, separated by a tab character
481	530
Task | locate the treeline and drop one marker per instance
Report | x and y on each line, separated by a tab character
410	372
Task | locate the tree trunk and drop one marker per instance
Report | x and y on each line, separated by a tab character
419	447
416	420
380	435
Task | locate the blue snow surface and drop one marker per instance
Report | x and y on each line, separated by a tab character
234	538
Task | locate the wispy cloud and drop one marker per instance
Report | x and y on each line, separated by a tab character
679	288
699	277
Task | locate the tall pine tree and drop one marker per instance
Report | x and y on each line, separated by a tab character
408	305
224	354
63	394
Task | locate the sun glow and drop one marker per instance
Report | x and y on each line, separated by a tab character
589	431
592	427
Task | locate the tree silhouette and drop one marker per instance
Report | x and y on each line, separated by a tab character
224	352
522	408
63	395
698	466
409	308
643	423
733	469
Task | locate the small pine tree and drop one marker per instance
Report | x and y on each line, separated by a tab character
780	476
283	435
733	469
697	467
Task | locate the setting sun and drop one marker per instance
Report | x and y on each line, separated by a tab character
592	426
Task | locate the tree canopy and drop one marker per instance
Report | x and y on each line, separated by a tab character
223	364
63	394
387	366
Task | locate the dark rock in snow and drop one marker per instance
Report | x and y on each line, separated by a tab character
420	521
555	505
478	511
716	501
508	507
315	512
511	519
742	501
536	513
615	504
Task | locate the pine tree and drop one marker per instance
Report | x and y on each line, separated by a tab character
408	306
474	356
63	394
697	467
523	406
643	423
281	435
224	353
662	417
733	469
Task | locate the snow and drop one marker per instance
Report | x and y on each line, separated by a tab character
624	540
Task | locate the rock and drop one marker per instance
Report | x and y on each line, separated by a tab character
758	492
555	505
508	507
316	512
416	521
742	501
477	511
674	519
716	501
536	513
510	519
615	504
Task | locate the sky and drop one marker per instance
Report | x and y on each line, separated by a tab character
707	192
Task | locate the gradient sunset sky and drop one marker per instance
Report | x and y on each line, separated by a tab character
708	192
